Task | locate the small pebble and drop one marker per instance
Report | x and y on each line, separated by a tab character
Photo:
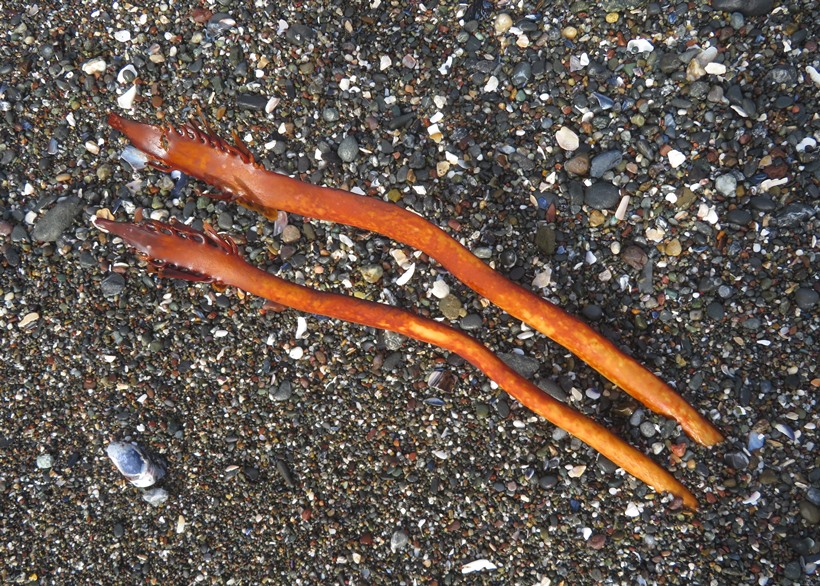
348	150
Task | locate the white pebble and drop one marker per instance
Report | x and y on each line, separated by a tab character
492	84
542	279
632	510
296	353
715	68
567	139
814	75
385	62
676	158
577	471
123	36
95	65
502	23
477	566
440	289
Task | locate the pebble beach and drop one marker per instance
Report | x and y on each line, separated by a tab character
651	167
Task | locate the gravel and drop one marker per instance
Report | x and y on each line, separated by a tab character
319	452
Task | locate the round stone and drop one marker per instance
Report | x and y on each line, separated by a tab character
726	184
578	165
503	23
806	298
348	149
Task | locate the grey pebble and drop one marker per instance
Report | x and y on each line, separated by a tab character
647	429
745	7
348	149
523	365
715	311
739	217
330	114
251	102
602	195
521	74
592	312
56	220
810	512
112	285
283	392
471	322
806	298
548	481
603	162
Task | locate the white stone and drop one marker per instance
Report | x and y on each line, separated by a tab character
814	75
676	158
123	36
95	65
492	84
567	139
715	68
440	289
385	62
502	24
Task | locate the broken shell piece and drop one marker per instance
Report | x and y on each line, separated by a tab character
134	464
127	74
126	100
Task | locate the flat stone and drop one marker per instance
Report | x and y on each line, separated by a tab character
603	162
112	285
745	7
806	298
56	220
602	195
578	165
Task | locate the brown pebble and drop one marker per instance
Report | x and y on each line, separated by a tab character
578	165
290	234
597	541
634	257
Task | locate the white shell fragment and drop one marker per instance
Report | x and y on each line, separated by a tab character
567	139
126	100
134	464
121	76
478	566
640	46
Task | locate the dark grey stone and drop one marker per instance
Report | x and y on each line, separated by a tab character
745	7
56	220
602	195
